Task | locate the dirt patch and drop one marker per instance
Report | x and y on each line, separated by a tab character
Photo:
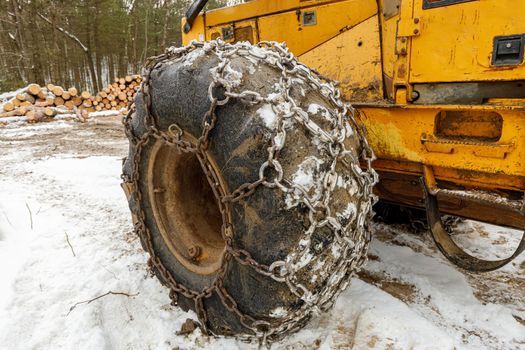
372	342
398	289
373	257
344	338
188	327
104	136
498	287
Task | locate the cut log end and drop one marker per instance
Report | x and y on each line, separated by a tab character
34	89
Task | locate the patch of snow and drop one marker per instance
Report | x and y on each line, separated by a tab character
349	212
266	55
447	298
274	96
305	175
314	109
364	317
279	139
80	174
318	265
15	119
109	113
6	96
336	250
16	231
304	242
28	130
192	56
497	244
64	116
268	116
279	312
251	67
349	130
232	76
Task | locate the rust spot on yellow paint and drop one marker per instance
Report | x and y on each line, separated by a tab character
401	71
387	140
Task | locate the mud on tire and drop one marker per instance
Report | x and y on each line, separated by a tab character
245	186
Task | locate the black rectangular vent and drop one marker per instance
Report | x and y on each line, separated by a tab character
430	4
508	50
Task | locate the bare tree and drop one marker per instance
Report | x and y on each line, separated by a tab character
84	48
86	42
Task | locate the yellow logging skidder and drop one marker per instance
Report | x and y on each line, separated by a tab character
251	176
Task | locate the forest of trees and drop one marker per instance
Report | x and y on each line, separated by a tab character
84	43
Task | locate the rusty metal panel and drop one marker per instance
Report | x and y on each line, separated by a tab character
468	93
406	189
244	34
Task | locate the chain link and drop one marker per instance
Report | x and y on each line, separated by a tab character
319	211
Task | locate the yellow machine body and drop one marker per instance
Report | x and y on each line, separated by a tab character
438	84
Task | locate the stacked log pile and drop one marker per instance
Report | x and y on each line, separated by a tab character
118	94
37	102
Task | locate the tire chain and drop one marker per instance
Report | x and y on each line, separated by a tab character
276	55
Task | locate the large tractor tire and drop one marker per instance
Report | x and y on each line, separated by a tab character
245	186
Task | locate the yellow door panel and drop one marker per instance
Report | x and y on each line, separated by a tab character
455	42
354	59
329	21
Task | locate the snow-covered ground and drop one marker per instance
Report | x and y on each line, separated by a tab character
66	237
